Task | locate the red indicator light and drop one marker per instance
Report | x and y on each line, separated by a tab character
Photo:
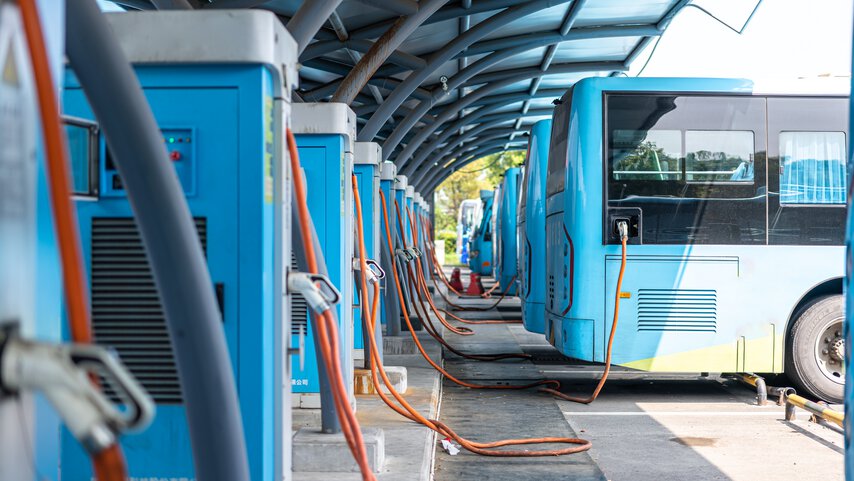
175	155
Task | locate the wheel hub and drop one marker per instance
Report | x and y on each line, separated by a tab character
837	349
830	351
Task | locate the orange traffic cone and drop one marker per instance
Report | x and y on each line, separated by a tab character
456	282
475	287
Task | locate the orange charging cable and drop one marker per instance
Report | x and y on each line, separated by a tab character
601	383
423	284
327	331
555	391
109	464
415	339
405	409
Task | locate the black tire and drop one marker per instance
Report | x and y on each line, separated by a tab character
808	365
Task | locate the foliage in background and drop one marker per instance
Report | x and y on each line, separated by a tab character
466	183
450	238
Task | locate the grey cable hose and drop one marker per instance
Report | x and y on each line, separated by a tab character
328	416
170	240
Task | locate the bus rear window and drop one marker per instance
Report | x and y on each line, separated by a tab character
556	171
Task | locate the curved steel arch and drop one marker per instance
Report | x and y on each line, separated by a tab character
308	19
491	103
402	92
483	123
374	30
465	152
438	176
465	76
469	134
463	102
457	149
382	49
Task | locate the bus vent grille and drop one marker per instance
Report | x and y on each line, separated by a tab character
126	310
299	308
680	310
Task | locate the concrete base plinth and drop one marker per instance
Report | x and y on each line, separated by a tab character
415	321
358	357
316	452
396	374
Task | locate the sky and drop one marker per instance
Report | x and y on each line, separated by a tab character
785	39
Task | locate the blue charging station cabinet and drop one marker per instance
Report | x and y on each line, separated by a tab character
531	229
366	167
419	212
325	135
389	304
221	98
504	243
405	209
400	186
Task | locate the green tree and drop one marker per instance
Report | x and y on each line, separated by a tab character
466	183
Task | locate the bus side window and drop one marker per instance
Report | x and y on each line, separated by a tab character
812	168
807	181
719	156
693	164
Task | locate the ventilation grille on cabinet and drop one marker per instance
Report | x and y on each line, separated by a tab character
299	308
126	310
687	310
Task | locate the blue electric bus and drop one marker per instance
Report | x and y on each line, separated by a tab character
736	207
480	245
849	310
531	229
504	227
467	215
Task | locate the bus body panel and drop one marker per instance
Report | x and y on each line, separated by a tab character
685	308
504	245
531	228
480	251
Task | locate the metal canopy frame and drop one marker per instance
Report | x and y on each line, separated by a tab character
432	81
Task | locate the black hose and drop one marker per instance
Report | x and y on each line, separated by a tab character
170	239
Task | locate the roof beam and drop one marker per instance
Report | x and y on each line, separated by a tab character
485	123
435	61
436	176
383	49
571	16
461	77
400	7
517	76
308	19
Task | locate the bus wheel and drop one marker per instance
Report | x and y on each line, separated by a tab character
816	349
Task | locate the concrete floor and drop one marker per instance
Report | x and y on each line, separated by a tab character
684	427
642	427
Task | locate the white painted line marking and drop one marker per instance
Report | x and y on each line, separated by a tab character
676	413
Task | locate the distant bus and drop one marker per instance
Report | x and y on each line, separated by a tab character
531	229
467	216
504	226
480	244
736	203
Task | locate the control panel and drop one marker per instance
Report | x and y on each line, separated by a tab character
180	147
